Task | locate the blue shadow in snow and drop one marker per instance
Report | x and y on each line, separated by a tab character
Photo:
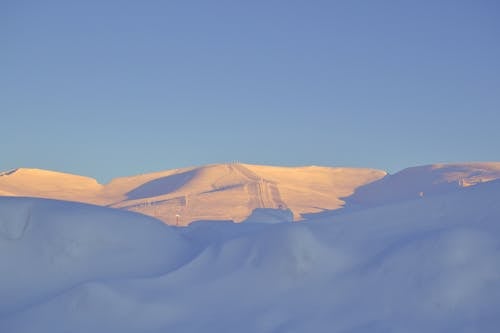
161	186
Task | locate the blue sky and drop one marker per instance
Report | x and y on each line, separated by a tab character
114	88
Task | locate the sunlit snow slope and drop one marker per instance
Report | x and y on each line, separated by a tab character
49	184
234	191
431	264
213	192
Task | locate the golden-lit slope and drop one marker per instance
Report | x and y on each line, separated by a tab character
313	189
468	174
232	191
213	192
49	184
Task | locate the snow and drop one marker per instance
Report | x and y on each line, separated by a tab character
426	265
47	247
270	215
426	180
211	192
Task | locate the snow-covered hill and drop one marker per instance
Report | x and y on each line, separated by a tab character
422	181
49	184
237	191
431	264
213	192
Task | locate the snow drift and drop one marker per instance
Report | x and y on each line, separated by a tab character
425	265
47	247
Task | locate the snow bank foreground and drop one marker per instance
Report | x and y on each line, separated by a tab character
428	265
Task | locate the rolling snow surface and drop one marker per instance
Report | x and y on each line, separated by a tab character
430	264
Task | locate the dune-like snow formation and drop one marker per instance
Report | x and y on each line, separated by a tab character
48	247
426	265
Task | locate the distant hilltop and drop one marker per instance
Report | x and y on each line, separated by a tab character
233	191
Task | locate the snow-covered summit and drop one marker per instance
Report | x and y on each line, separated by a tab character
415	182
212	192
234	191
49	184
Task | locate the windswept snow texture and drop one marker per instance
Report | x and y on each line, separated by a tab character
425	265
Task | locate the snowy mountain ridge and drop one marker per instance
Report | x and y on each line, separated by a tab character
234	191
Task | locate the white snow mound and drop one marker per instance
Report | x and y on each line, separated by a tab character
426	265
48	247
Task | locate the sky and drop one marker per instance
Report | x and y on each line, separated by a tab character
115	88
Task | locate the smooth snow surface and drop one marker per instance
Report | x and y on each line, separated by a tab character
425	265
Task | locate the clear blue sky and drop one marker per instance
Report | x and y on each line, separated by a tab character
113	88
